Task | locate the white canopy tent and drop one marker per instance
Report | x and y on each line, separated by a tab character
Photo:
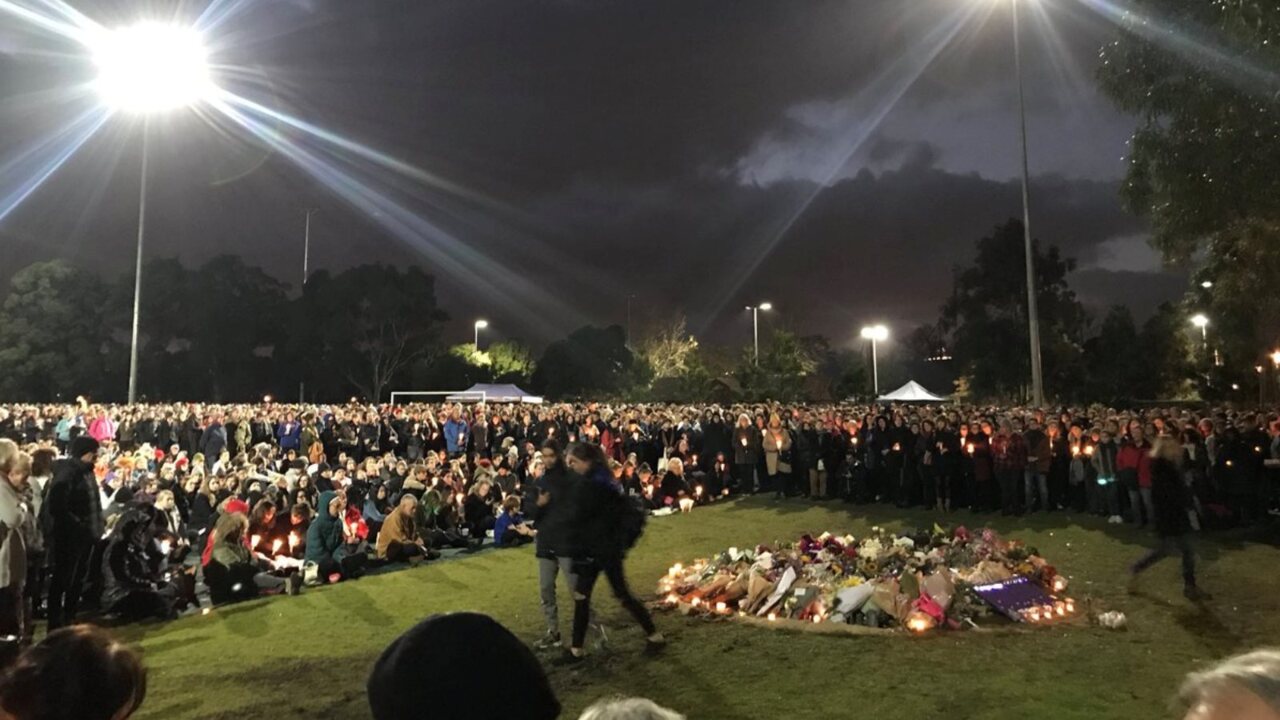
484	392
911	392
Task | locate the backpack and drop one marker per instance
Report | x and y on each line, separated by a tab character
631	520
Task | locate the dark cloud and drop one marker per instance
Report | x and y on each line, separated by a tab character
664	148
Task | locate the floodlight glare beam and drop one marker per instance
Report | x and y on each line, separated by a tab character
151	67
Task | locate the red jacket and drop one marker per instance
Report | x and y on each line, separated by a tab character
1135	457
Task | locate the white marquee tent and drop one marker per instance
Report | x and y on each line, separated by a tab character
911	392
496	394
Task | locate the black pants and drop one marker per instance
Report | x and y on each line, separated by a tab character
66	581
745	473
1168	546
401	552
588	571
1010	487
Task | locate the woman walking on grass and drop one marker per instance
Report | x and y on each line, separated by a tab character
1172	514
602	528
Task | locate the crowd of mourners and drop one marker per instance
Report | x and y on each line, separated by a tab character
130	512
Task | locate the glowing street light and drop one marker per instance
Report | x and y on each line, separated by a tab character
755	326
145	69
480	325
1201	321
1275	358
1207	284
875	333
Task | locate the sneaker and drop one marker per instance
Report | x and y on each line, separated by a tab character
654	643
548	641
568	658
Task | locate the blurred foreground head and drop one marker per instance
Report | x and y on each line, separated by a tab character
1245	687
76	673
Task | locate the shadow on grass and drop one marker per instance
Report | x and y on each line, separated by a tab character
1202	623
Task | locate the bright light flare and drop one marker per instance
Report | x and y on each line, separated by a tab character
151	67
1200	320
482	324
879	333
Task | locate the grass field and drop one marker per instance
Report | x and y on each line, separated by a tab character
307	657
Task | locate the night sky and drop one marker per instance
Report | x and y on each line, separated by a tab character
835	158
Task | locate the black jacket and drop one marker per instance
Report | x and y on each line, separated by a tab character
597	514
552	520
1172	498
74	507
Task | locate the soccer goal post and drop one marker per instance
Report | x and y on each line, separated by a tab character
467	396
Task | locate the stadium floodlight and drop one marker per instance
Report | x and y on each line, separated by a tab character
755	327
143	69
480	325
151	67
876	334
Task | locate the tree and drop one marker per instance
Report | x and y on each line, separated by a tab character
1202	161
669	349
368	325
786	360
590	361
986	318
510	361
54	339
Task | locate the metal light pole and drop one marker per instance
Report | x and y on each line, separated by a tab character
306	258
628	342
137	278
755	326
1033	310
479	324
875	334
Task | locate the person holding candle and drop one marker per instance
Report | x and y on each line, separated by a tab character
327	554
746	454
235	573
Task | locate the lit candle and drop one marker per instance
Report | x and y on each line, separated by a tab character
969	447
773	617
721	607
695	602
276	545
744	442
1075	450
1088	450
293	540
253	541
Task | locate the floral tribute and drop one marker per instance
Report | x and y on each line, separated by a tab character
920	581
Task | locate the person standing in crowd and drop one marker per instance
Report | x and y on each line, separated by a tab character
746	454
75	516
600	532
15	468
553	544
1009	454
1039	460
1133	469
1172	515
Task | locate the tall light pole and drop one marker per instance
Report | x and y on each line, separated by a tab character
306	260
875	333
145	69
1033	309
755	326
630	297
480	325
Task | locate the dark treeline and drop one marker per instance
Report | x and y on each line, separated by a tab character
228	331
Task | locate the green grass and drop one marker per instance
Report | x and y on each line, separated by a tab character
308	657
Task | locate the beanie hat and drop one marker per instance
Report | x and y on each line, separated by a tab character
83	444
236	505
417	675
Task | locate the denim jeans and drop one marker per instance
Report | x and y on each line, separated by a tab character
548	569
1036	481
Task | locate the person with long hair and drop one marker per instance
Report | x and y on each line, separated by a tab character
1172	512
599	545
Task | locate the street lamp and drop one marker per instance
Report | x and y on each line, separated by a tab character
755	326
875	333
1033	310
1275	359
1201	321
480	325
145	69
1207	284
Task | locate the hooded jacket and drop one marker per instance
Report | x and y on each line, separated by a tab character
74	507
324	537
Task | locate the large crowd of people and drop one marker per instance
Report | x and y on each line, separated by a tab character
129	511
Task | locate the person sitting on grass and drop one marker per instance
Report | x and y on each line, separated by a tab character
399	540
76	672
134	583
477	511
417	675
511	530
234	572
328	556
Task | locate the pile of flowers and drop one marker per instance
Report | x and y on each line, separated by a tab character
921	580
